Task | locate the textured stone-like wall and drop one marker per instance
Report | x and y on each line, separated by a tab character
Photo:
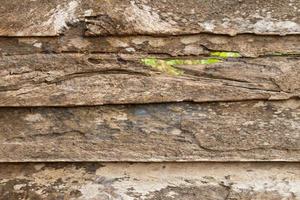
140	99
150	181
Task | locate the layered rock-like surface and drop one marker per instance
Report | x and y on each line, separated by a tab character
145	17
239	131
188	45
150	100
190	181
79	79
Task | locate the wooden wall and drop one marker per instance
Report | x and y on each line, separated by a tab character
153	100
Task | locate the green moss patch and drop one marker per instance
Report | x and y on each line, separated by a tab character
225	54
168	66
163	66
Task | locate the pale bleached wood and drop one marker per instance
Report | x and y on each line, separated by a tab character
161	181
173	17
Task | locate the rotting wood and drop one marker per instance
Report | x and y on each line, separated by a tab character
204	119
173	17
137	17
80	79
237	131
161	181
202	44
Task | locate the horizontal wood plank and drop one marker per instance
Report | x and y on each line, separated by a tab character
80	79
136	17
189	45
115	181
237	131
173	17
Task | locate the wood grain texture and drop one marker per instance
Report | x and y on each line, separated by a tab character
36	18
163	181
80	79
237	131
136	17
189	45
173	17
151	100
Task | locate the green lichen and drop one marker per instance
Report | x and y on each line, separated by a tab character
167	66
162	66
210	61
225	54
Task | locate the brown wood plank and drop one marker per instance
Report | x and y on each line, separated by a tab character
37	18
135	17
237	131
80	79
189	45
173	17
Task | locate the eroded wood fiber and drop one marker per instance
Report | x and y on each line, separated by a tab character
193	45
173	17
212	86
164	181
237	131
145	17
80	79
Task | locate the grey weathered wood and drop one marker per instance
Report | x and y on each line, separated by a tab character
234	132
173	17
133	17
79	79
201	44
161	181
237	131
37	18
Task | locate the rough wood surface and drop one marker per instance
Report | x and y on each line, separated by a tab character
150	100
79	79
134	17
173	17
237	131
201	44
122	181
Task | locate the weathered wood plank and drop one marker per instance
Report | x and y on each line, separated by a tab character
132	17
79	79
164	181
202	44
173	17
37	18
237	131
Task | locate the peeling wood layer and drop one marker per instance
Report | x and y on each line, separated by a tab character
145	17
150	100
115	181
193	45
238	131
173	17
37	18
79	79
